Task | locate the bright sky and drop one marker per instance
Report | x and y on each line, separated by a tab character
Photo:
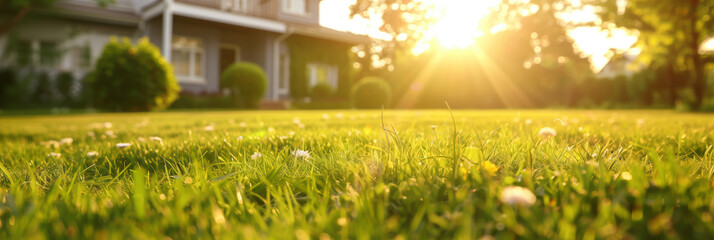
590	40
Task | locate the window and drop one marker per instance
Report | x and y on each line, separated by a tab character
49	54
187	58
322	73
36	53
298	7
23	54
82	57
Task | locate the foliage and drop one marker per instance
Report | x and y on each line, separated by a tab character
65	82
531	62
304	50
247	83
606	174
670	33
8	77
203	101
43	88
132	78
321	91
13	11
371	92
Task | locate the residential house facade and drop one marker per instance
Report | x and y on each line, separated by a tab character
199	37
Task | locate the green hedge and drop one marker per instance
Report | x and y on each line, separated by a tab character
247	83
132	78
371	92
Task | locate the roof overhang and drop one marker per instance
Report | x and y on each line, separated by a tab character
214	15
104	15
330	34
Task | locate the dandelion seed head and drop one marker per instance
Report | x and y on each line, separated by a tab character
123	145
547	132
517	196
92	154
301	154
66	141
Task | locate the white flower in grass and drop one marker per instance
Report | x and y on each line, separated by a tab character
243	124
433	127
209	128
240	138
325	116
52	144
296	121
301	154
339	115
517	196
66	141
528	122
256	155
640	123
547	132
109	133
141	139
108	125
92	154
54	154
156	139
123	145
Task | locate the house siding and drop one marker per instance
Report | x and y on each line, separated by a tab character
255	46
311	18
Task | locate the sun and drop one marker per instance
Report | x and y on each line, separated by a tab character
458	26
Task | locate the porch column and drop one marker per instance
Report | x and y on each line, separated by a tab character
168	25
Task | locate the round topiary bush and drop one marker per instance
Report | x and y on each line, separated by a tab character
371	92
321	91
247	83
132	78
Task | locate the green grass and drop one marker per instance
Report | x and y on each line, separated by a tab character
604	175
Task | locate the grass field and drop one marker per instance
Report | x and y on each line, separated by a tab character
406	175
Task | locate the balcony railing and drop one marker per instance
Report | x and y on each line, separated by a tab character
258	8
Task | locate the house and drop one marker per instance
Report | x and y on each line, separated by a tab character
620	65
199	37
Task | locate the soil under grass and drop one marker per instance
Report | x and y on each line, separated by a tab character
400	174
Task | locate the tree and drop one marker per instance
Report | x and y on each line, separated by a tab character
530	56
670	35
13	11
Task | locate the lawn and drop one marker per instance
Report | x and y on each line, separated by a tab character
400	174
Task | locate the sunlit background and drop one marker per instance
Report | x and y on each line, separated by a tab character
459	26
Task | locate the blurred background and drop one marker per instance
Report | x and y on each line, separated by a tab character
141	55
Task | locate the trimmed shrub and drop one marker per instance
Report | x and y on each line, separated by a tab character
247	83
43	89
321	91
64	81
214	101
132	78
7	81
371	92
